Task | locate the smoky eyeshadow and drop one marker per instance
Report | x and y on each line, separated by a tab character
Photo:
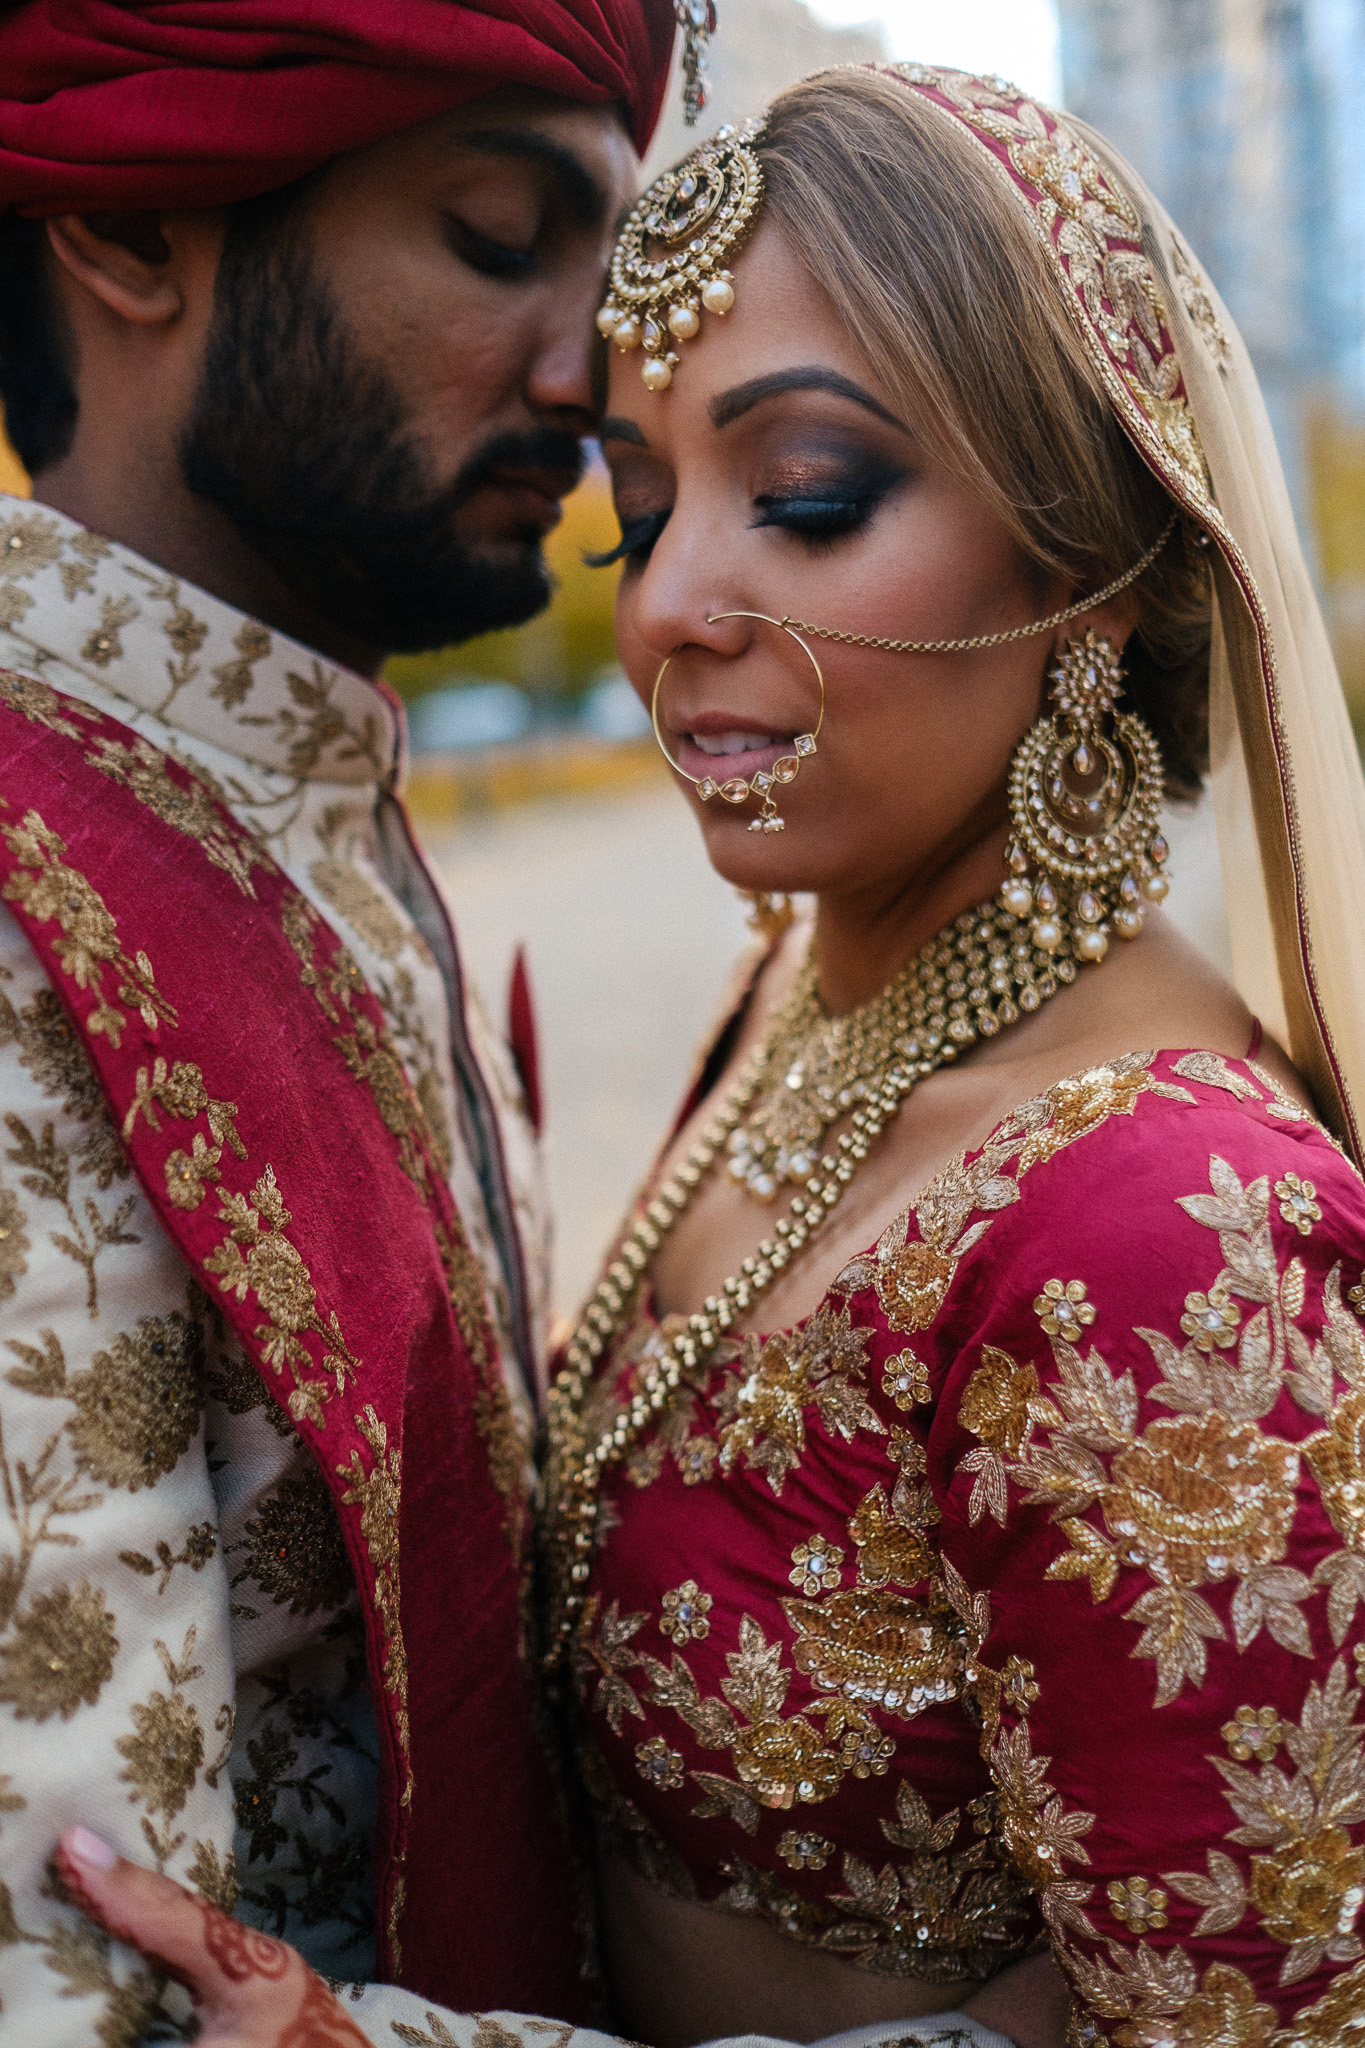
858	476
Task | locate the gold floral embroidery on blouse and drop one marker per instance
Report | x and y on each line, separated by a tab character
1166	2004
863	1647
684	1615
1038	1832
763	1404
946	1914
1307	1893
1308	1883
1063	1310
1082	1103
866	1648
1206	1494
912	1275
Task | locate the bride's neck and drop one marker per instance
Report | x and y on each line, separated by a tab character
863	936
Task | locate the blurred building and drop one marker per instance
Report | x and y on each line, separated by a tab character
1247	118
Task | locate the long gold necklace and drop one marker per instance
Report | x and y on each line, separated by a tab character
974	979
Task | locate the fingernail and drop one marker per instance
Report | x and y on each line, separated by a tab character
88	1849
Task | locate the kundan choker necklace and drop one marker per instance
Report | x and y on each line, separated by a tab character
979	975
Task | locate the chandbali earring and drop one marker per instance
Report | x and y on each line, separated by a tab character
769	913
1085	795
784	770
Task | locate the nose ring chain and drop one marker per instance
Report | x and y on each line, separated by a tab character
738	790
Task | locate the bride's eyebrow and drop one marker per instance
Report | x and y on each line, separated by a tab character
731	404
621	430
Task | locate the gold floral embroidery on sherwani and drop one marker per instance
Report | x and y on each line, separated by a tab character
181	1652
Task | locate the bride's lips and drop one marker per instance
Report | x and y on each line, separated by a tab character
693	760
764	747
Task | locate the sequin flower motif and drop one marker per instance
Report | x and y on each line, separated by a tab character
659	1765
1137	1905
685	1609
804	1851
1063	1309
1298	1204
906	1379
1253	1732
1211	1319
815	1566
1018	1686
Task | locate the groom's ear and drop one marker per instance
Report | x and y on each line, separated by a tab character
143	269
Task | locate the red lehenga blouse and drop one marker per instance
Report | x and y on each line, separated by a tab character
1018	1585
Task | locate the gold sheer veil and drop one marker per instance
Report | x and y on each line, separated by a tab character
1288	793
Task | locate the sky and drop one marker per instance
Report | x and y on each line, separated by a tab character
1017	38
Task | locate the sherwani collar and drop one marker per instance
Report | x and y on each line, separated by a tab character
200	665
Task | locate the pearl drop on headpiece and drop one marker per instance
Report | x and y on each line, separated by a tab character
666	269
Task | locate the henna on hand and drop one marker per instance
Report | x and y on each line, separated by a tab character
241	1952
78	1894
321	2022
219	1957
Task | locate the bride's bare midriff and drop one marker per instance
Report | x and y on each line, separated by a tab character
683	1973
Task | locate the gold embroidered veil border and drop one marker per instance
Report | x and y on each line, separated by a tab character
1289	797
1288	794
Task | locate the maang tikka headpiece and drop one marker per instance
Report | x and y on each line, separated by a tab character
668	264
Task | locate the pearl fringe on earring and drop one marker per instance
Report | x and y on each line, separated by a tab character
1085	791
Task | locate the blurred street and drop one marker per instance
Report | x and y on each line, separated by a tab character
630	940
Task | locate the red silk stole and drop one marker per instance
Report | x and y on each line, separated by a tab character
249	1070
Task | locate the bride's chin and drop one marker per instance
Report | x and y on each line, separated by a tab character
767	861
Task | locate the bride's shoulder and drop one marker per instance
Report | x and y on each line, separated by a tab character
1117	1135
1156	1173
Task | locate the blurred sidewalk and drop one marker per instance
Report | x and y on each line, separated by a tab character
630	940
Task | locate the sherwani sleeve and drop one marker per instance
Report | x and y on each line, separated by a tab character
116	1679
1148	1456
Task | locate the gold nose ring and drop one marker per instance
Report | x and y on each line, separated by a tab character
784	770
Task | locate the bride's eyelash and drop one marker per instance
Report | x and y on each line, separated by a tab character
637	538
817	519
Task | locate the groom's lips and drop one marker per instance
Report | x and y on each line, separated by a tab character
535	494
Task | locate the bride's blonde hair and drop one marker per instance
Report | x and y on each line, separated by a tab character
940	279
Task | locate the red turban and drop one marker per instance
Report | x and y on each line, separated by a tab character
109	104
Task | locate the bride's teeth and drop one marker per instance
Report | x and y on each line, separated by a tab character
733	743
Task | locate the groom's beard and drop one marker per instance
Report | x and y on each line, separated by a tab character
302	443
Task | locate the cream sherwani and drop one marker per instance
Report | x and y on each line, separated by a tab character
181	1657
